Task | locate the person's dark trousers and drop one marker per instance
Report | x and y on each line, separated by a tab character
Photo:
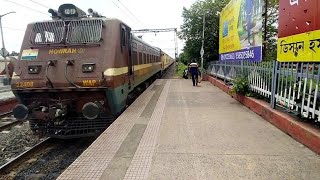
194	79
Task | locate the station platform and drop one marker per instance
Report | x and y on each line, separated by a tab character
5	92
177	131
6	95
5	88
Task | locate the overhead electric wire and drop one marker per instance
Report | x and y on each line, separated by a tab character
16	29
123	11
130	12
27	7
40	4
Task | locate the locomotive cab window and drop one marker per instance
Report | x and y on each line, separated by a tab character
44	37
123	36
47	33
84	31
75	32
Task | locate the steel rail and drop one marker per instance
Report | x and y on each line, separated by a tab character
9	125
5	114
6	168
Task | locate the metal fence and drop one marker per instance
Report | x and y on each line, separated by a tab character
293	86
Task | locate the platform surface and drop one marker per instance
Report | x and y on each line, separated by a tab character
6	94
177	131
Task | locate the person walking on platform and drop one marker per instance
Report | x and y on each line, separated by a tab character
194	71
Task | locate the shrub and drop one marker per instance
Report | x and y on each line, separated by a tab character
240	86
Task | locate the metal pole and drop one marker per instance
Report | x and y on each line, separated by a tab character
176	44
202	50
3	47
3	53
274	84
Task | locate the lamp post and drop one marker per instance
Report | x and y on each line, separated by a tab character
202	50
4	52
203	25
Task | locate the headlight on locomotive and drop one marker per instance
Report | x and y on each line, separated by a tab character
34	69
88	67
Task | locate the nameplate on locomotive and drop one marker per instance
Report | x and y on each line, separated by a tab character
66	51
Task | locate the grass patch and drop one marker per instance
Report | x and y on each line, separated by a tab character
181	68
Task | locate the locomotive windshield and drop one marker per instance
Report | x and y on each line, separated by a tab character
84	31
77	32
47	33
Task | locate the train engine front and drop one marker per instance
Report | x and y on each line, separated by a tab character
60	78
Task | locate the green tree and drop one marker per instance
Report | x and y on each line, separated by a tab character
191	30
183	58
271	30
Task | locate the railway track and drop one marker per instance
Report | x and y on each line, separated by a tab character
6	168
7	121
46	160
5	114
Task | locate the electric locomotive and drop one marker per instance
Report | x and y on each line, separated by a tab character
76	73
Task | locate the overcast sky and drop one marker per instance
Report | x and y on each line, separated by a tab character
138	14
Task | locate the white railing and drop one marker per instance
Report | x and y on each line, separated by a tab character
293	86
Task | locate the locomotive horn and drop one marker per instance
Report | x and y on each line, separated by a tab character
20	112
93	13
54	13
91	110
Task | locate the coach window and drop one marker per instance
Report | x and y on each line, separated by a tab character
140	58
147	58
144	58
134	57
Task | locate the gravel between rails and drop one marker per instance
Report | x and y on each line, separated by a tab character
16	141
51	161
52	164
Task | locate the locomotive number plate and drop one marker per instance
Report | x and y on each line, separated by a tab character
27	84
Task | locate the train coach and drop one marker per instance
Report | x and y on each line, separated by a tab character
76	73
166	61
